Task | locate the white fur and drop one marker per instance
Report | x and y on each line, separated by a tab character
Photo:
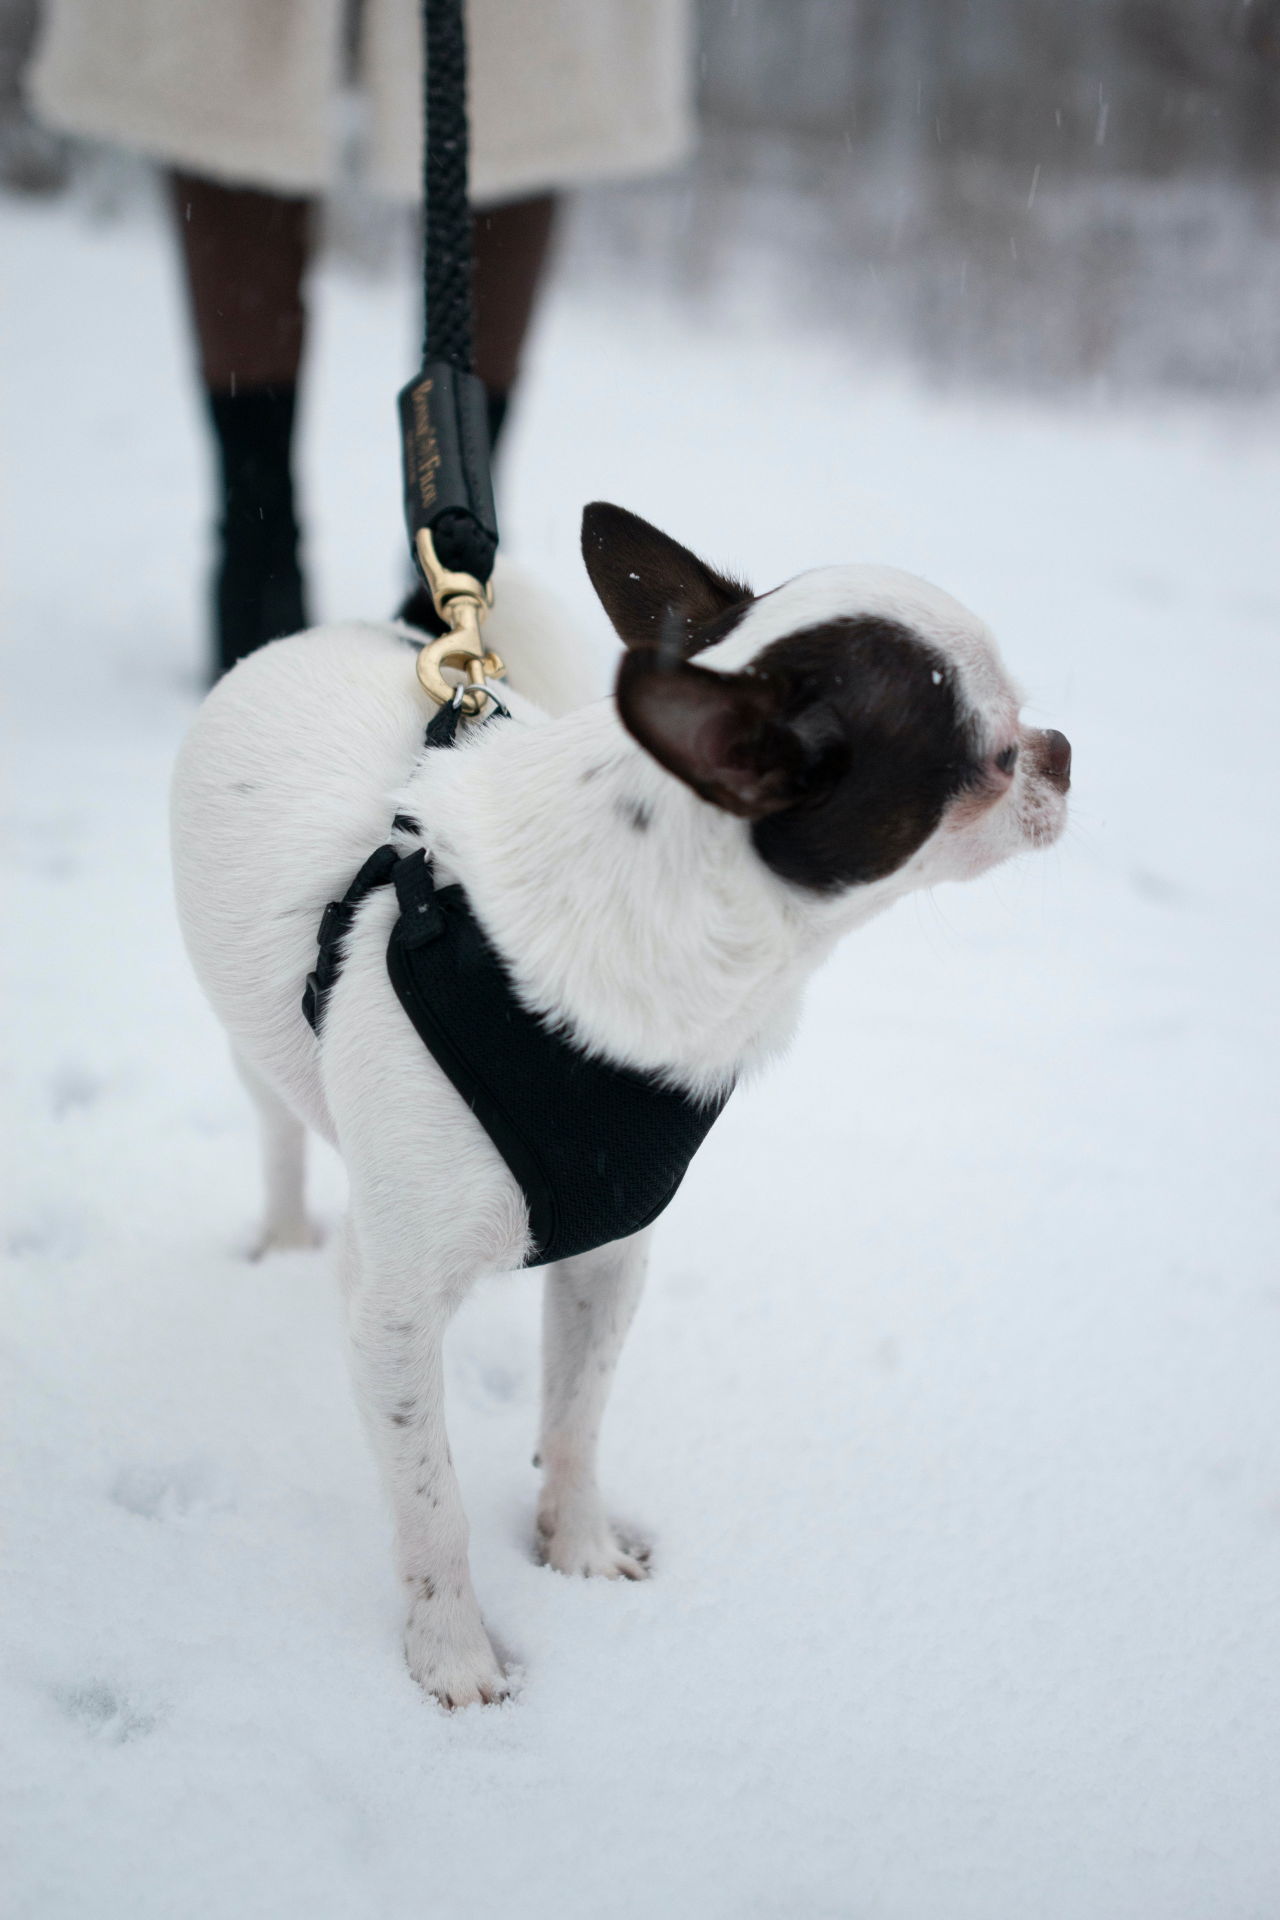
674	949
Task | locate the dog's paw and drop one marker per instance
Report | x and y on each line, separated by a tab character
449	1656
285	1236
578	1539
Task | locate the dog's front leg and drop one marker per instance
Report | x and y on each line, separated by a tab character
397	1320
588	1304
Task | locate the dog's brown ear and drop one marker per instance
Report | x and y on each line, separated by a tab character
655	591
723	734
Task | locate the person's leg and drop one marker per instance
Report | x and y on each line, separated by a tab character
245	254
510	247
32	158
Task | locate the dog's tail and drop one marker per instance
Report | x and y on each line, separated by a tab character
547	659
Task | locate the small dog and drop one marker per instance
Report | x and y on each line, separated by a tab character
660	874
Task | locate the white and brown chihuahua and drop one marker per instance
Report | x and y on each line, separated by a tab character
660	873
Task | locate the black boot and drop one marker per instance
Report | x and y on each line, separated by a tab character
259	592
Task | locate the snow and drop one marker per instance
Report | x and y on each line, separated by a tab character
950	1411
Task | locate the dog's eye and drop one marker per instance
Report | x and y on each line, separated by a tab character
1007	760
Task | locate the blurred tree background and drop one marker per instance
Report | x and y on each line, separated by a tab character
1015	191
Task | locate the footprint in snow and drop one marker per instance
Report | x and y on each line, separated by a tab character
74	1089
106	1713
50	1232
180	1492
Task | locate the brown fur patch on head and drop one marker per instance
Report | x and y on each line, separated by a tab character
897	750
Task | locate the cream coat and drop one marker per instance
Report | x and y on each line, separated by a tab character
561	91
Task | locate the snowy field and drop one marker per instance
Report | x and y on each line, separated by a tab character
951	1410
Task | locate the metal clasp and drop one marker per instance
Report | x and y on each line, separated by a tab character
462	603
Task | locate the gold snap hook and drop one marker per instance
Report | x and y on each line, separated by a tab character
462	602
450	651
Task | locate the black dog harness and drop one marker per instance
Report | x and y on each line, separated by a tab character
597	1149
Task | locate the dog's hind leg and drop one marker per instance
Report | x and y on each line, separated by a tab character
284	1165
588	1304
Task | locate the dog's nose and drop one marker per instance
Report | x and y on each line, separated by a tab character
1055	758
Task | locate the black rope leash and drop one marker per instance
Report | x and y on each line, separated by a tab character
448	490
448	332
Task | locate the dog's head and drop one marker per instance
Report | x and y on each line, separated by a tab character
859	718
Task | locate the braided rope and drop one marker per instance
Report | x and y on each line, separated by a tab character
448	333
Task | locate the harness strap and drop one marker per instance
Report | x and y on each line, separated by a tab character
377	871
335	924
423	921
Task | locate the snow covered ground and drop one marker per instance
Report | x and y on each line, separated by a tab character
951	1411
